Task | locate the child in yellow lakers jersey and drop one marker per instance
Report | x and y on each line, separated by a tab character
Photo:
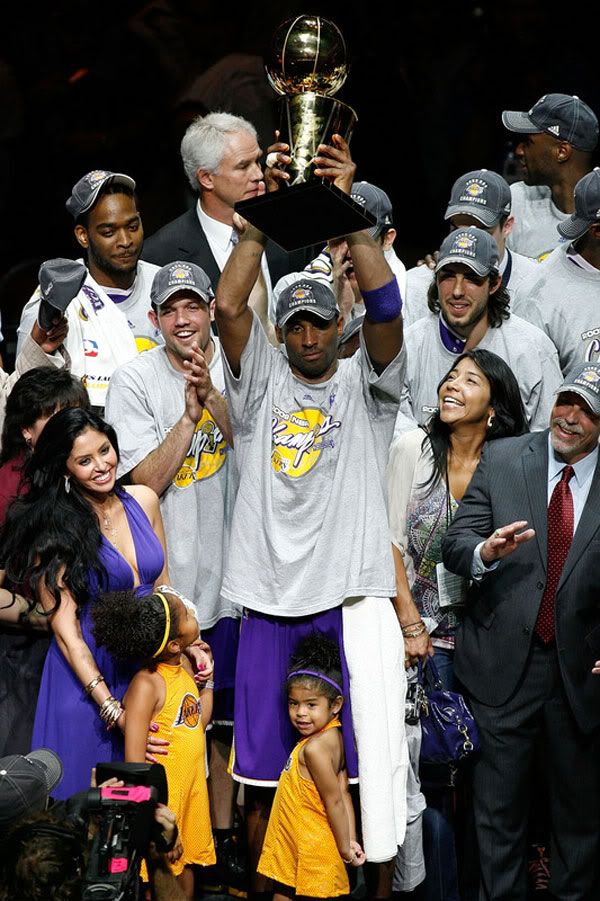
311	831
156	629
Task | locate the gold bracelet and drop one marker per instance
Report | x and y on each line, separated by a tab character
91	685
416	632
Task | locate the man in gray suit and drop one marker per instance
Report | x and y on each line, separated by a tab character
530	637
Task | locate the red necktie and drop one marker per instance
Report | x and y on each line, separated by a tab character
560	536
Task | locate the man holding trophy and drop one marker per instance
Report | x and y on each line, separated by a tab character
310	547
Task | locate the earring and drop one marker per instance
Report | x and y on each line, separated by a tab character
67	484
28	443
490	421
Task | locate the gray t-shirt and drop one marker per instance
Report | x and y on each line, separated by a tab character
563	299
534	233
309	524
514	268
527	350
145	400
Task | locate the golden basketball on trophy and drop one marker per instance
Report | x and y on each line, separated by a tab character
306	65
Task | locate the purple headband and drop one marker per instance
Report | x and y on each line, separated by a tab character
310	672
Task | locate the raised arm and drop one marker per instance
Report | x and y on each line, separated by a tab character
382	327
232	312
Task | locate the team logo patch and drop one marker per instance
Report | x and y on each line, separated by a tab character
299	438
189	712
95	177
82	314
90	347
181	275
474	189
465	243
206	456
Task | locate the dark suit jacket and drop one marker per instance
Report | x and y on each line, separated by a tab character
494	639
184	239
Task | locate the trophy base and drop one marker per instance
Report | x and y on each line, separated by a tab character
310	213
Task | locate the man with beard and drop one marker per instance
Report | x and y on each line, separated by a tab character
108	320
557	138
527	534
469	307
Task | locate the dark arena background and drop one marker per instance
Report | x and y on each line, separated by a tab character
113	85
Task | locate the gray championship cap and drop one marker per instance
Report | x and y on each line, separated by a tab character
376	202
180	276
26	782
350	329
60	281
85	192
306	294
584	380
564	116
471	246
483	194
587	207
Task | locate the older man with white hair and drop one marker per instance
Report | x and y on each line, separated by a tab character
221	158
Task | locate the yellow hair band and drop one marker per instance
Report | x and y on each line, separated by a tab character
160	595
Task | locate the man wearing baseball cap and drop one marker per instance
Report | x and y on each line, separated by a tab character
108	320
527	534
170	414
470	307
26	783
311	436
557	137
43	346
481	198
562	297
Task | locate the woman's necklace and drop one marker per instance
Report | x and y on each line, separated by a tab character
108	527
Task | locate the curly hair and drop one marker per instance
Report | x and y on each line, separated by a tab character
42	860
133	627
318	654
498	303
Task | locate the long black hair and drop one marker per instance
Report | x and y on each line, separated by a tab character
509	413
39	392
50	529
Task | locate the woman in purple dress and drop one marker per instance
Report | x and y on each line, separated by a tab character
72	536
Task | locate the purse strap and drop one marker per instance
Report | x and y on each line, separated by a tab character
432	670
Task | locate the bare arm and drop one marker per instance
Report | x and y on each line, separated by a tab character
319	763
233	313
383	339
141	700
407	613
15	611
67	631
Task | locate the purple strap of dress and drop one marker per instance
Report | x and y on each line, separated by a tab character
309	672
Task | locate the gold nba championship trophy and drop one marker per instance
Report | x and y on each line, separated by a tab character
306	66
